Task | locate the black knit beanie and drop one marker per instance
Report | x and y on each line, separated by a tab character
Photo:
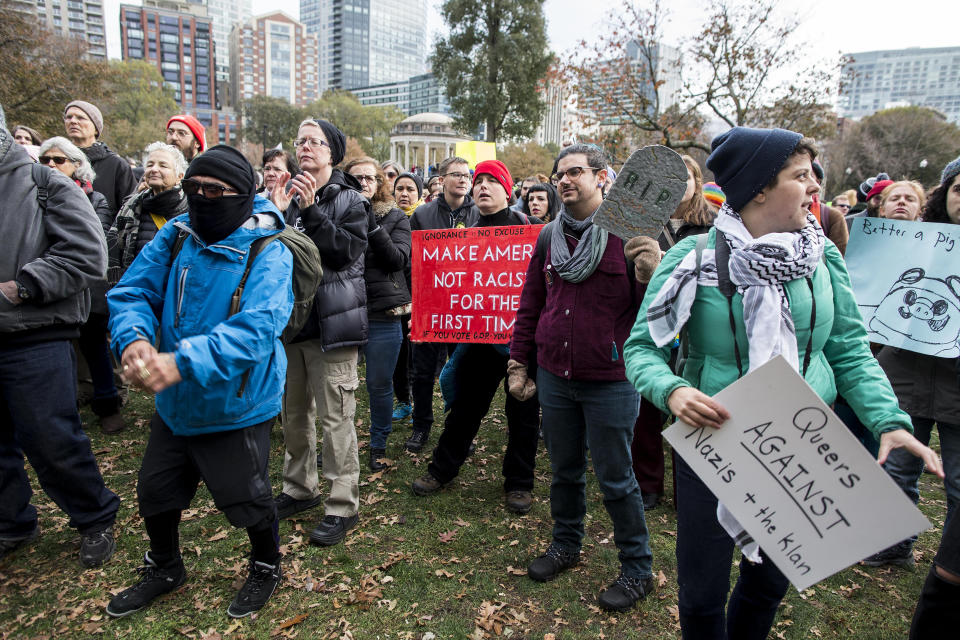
335	138
416	180
744	160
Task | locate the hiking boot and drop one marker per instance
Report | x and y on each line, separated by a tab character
417	440
155	581
552	563
426	485
260	585
650	500
402	411
333	529
899	555
625	592
9	545
112	424
519	501
97	547
375	457
288	505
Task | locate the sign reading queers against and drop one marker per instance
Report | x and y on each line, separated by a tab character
467	282
906	277
795	478
645	194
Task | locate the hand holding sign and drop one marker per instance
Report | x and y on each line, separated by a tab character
646	193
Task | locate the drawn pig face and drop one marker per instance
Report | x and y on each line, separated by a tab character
923	309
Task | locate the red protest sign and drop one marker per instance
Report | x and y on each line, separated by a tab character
467	282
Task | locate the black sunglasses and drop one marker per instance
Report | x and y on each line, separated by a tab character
58	160
211	191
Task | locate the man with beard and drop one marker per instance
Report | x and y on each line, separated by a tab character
218	376
187	134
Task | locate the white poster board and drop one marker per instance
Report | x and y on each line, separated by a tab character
798	482
906	278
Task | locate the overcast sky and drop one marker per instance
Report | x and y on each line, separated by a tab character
830	26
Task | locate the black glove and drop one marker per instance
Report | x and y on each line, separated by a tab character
372	224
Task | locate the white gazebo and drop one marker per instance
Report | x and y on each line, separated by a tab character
423	140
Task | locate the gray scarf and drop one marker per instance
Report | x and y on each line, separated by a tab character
593	242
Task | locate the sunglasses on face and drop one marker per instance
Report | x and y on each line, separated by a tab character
210	190
58	160
391	174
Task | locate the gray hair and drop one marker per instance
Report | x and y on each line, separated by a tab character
179	162
84	171
390	163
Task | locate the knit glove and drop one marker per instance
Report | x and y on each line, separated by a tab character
519	384
645	254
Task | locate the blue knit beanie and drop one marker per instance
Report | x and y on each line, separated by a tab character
745	160
950	171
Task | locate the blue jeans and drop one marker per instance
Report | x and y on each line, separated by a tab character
381	352
578	414
38	417
905	468
704	555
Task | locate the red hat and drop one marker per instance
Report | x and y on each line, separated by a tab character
496	169
878	187
196	128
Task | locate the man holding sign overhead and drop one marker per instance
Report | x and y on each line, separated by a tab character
764	283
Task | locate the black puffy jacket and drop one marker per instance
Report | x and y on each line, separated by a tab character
387	260
337	223
114	177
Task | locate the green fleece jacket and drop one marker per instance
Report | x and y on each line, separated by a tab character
840	362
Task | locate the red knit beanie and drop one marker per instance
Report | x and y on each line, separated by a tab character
196	128
878	187
496	169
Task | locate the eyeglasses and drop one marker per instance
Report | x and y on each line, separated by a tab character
178	133
457	176
210	190
364	178
573	173
842	206
313	142
391	174
58	160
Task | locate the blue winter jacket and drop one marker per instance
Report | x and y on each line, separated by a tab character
183	309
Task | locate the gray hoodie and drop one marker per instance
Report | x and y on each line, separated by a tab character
55	254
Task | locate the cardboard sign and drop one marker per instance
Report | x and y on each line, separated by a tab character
646	193
795	478
467	282
906	278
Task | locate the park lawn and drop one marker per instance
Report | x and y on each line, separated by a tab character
450	566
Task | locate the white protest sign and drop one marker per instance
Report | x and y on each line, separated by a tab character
795	478
906	278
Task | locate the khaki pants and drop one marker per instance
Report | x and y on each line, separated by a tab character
321	384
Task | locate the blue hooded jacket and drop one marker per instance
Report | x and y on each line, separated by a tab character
185	307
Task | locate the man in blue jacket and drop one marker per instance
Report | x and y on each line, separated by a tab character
218	377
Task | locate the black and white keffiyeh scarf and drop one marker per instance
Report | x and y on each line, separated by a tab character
760	268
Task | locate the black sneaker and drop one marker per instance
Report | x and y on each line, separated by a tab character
155	581
552	563
97	547
625	592
260	585
375	456
417	440
899	555
333	529
288	505
9	545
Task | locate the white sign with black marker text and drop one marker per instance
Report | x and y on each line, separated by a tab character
798	482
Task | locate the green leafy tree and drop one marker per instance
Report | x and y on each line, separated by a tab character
270	121
490	64
138	107
526	159
370	126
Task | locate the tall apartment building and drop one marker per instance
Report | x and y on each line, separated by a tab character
225	14
367	42
875	80
83	20
273	55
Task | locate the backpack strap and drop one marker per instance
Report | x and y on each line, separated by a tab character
177	246
41	177
727	288
684	339
254	251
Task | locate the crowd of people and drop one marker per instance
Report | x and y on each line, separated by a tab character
242	297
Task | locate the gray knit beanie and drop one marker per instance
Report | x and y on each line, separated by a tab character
950	171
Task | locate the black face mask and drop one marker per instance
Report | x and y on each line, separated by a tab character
214	220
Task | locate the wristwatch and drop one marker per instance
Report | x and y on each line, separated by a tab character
22	291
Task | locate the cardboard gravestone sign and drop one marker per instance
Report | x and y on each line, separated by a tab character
795	478
645	194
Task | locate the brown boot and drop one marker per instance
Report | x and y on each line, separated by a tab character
113	423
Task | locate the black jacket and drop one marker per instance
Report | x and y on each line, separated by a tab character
114	177
437	214
337	223
387	260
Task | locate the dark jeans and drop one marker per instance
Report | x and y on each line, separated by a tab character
481	371
578	414
93	345
381	355
428	359
38	418
401	373
647	448
704	555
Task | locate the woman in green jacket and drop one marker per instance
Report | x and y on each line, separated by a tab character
790	296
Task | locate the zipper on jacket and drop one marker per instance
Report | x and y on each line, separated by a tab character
181	290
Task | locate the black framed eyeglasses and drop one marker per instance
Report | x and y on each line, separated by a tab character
210	190
573	173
